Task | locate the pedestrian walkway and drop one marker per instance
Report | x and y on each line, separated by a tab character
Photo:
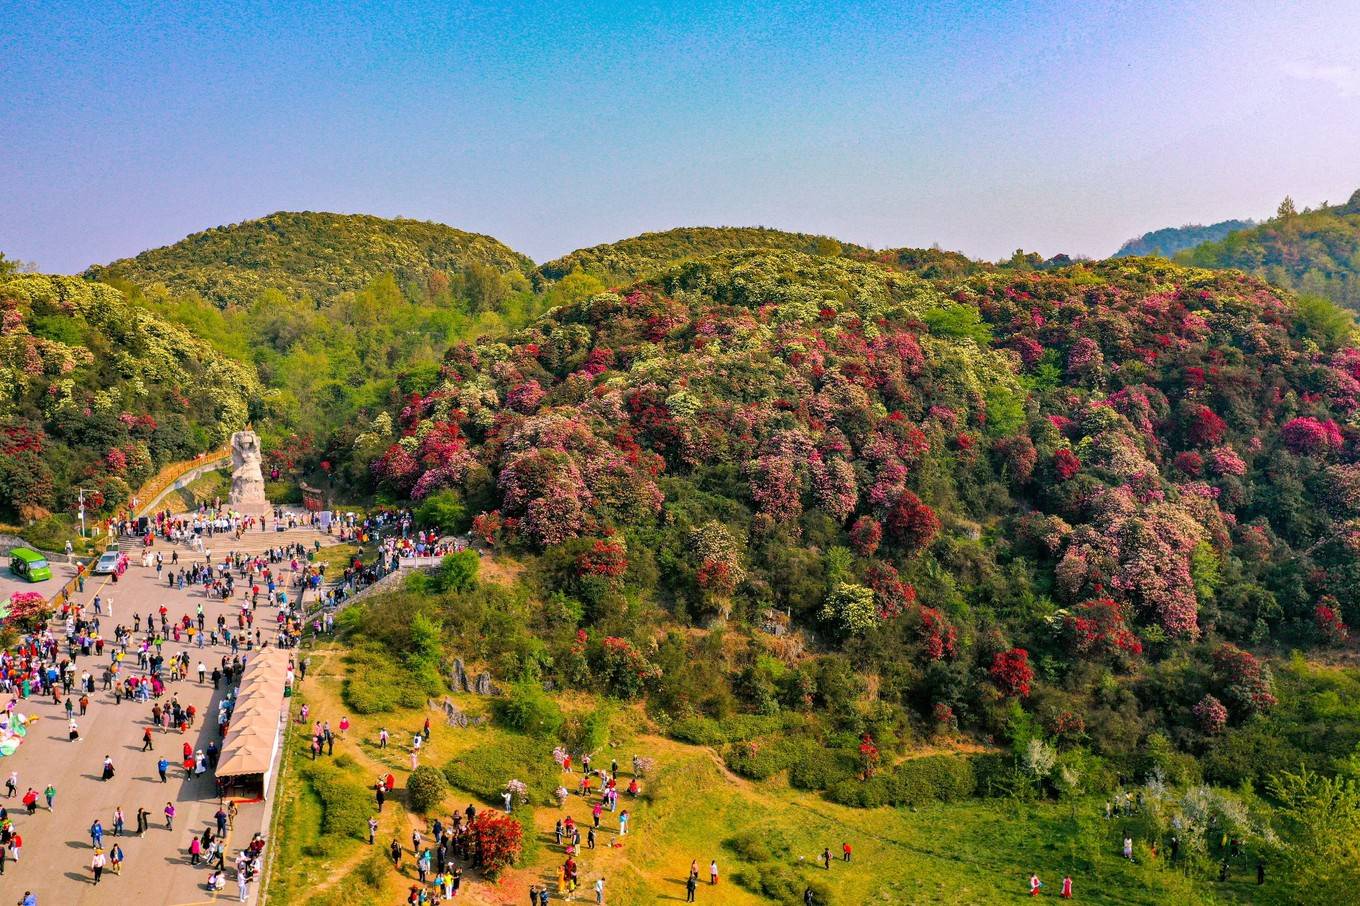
56	858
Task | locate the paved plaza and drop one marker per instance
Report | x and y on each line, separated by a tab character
55	860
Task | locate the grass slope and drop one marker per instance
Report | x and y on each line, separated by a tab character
979	851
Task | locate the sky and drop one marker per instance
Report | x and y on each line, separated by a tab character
983	127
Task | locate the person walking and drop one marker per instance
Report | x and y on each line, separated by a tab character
97	865
713	873
372	829
691	886
51	794
118	822
169	816
161	767
826	858
96	834
12	785
147	745
116	859
395	850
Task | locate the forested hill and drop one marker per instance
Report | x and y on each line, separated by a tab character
629	259
98	392
318	255
1048	506
1313	252
1171	240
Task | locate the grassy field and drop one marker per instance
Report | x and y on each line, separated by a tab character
980	851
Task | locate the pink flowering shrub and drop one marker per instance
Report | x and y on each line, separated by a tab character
865	535
1242	679
1309	435
1211	714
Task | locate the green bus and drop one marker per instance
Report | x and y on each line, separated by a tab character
29	564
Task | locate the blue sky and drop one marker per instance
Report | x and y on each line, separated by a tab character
981	126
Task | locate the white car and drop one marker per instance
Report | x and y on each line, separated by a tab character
108	563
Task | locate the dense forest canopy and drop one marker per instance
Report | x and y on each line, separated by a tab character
312	255
629	259
1170	240
98	392
1313	252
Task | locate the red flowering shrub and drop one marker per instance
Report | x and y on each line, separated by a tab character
868	756
865	535
1065	464
1097	627
939	637
499	838
1242	678
1211	714
1203	426
622	669
607	557
913	523
1190	462
943	716
1066	723
1012	673
1328	622
892	596
1018	456
488	527
1308	435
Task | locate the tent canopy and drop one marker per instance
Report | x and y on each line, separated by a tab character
253	736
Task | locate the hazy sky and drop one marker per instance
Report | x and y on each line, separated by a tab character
980	126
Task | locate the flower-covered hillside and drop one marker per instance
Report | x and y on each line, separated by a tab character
1194	457
982	489
98	393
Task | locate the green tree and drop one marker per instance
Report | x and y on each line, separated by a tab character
426	789
424	654
1321	844
458	572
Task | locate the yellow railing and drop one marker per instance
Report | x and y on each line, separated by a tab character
163	479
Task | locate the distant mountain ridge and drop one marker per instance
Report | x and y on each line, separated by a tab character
307	253
1313	252
1169	241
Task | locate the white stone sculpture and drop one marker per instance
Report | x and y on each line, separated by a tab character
247	481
